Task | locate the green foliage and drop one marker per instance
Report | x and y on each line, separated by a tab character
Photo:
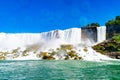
112	45
113	22
117	22
117	17
93	25
99	48
116	38
110	23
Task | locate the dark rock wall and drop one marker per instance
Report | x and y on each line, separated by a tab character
112	31
89	33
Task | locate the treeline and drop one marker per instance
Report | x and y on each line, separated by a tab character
93	25
113	22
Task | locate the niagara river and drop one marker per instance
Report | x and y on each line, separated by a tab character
59	70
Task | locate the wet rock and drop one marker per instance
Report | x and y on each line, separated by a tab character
67	58
115	55
15	55
25	54
2	57
48	57
85	49
67	47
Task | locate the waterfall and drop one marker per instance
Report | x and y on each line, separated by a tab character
101	34
13	41
33	44
71	36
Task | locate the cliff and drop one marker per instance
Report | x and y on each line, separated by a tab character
112	31
110	47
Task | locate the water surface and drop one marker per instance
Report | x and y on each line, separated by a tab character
59	70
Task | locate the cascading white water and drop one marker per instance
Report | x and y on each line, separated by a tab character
101	34
50	40
72	35
12	41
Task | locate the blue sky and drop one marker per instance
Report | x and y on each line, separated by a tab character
35	16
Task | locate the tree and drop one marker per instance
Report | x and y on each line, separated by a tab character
93	25
117	17
110	23
113	22
117	21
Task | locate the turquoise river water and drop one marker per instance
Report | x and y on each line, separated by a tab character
59	70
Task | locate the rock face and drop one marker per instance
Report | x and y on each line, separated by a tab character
115	55
112	31
89	35
19	45
94	34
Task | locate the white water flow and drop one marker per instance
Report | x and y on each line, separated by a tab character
23	46
101	34
72	35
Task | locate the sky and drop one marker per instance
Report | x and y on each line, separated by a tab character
34	16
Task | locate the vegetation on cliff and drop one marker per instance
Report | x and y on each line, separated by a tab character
93	25
113	27
110	47
113	22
